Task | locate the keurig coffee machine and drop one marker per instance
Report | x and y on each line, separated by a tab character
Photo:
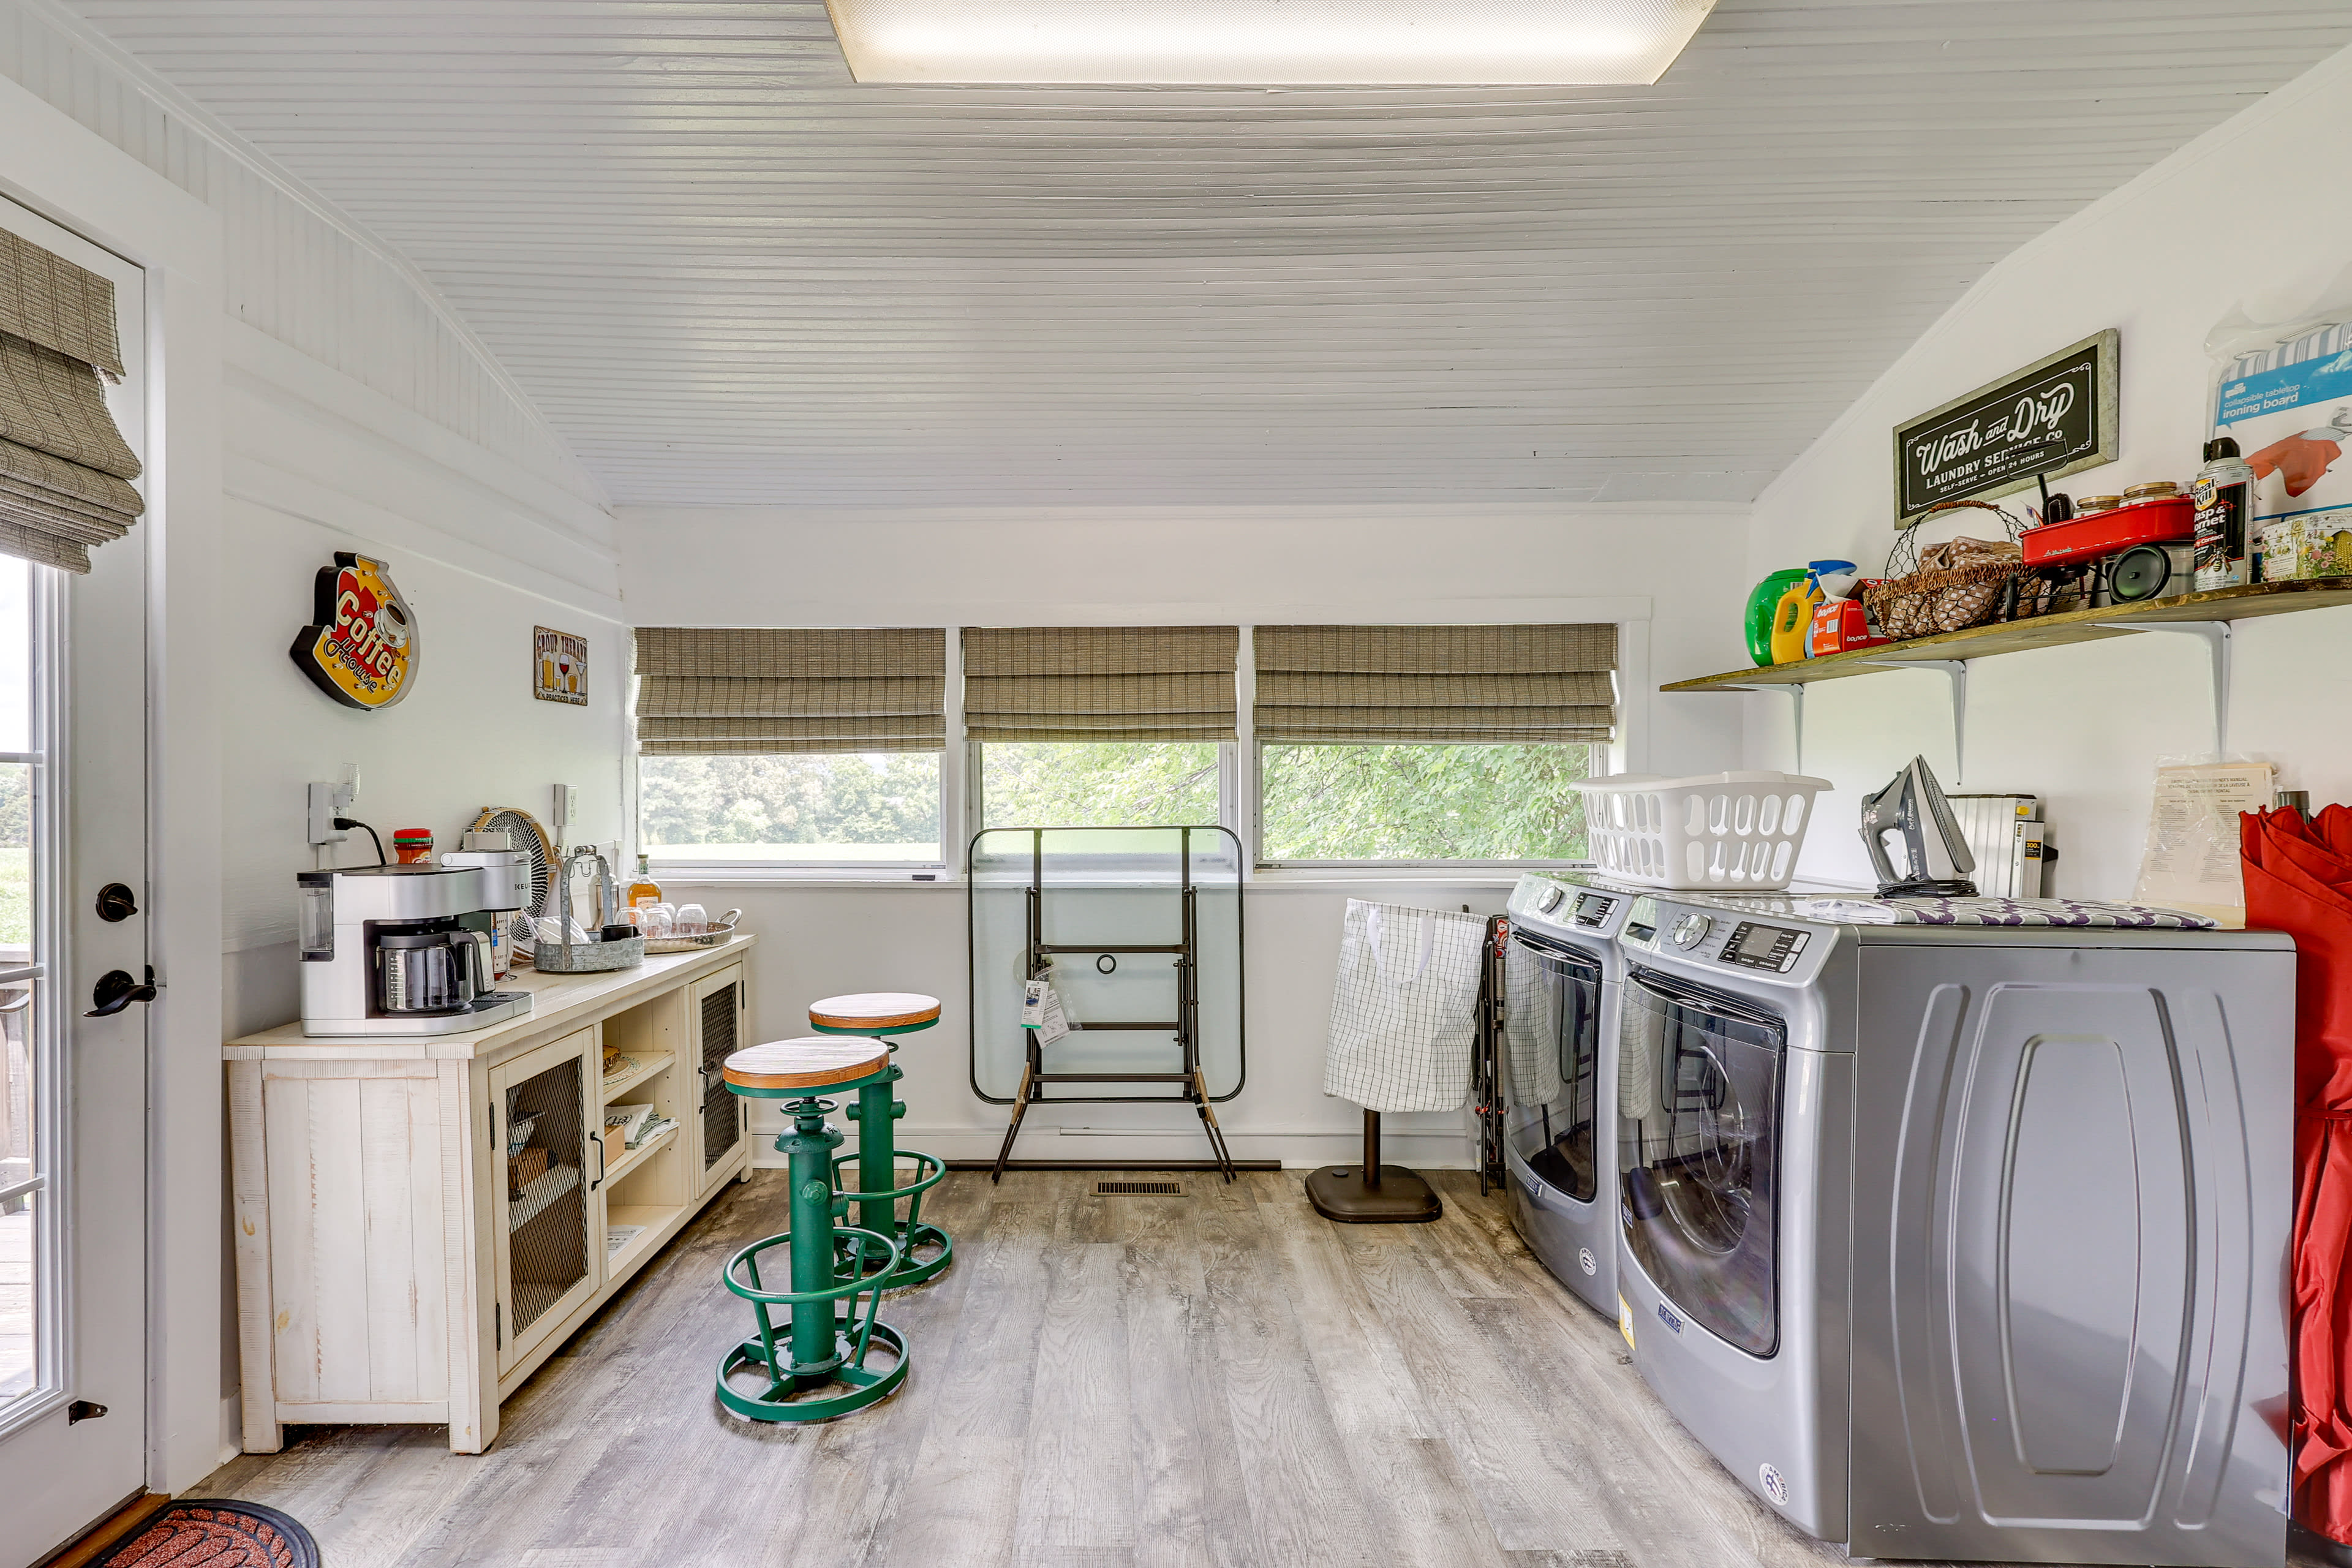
386	949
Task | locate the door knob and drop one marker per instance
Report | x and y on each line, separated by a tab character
116	990
116	902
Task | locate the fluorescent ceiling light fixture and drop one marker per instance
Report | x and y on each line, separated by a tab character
1266	43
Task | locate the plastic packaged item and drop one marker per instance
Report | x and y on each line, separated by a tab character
1794	619
2282	393
2224	500
1736	832
1839	626
1763	604
412	846
2312	544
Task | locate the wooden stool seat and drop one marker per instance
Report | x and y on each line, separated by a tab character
875	1011
805	1064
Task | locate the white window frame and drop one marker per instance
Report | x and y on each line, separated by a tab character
778	869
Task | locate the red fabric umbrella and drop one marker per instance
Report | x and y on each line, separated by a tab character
2299	881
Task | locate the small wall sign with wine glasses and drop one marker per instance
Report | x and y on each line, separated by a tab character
559	667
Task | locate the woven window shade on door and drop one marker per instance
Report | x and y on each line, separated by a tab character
763	690
1435	685
1099	683
65	468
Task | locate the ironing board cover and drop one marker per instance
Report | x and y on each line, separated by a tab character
1979	911
2299	881
1404	1011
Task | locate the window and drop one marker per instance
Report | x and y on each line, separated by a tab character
1101	784
1428	743
817	747
1410	802
827	809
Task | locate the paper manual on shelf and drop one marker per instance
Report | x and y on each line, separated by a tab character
631	1120
617	1236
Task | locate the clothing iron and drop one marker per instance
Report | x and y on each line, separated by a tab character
1912	860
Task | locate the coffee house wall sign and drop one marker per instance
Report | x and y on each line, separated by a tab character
362	648
2054	417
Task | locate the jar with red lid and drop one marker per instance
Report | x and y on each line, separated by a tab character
412	846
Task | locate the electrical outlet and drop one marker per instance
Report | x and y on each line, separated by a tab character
324	808
566	806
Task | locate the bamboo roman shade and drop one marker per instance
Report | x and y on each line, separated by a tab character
1099	683
704	691
65	468
1430	685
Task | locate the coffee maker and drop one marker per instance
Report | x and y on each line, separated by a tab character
387	949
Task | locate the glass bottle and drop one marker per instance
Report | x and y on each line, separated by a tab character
644	889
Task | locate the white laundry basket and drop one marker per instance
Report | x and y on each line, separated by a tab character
1729	832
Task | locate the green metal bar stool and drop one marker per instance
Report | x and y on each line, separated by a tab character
925	1249
819	1370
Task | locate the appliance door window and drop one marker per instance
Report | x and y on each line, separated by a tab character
1699	1093
1551	1078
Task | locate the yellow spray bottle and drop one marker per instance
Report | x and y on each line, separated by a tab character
1794	617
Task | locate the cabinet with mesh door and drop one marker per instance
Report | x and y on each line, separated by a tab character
417	1230
547	1238
717	1015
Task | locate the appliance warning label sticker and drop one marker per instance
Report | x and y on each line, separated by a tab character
1775	1486
1625	1322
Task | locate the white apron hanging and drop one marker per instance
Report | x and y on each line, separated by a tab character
1404	1013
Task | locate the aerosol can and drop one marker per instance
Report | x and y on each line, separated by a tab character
2225	516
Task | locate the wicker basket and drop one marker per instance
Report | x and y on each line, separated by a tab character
1945	587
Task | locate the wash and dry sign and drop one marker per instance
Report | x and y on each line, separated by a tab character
361	648
2054	417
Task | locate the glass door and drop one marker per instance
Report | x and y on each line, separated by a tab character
74	1074
1551	1062
1698	1085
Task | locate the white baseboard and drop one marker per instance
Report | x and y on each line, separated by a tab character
1301	1148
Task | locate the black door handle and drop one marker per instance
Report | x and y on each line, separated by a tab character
116	902
116	990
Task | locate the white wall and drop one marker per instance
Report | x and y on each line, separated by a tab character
484	552
1154	567
2232	221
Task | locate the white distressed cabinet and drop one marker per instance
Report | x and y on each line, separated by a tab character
419	1224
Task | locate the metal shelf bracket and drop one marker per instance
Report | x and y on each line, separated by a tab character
2217	649
1955	670
1795	691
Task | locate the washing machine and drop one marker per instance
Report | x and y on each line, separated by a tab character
1960	1240
1559	1076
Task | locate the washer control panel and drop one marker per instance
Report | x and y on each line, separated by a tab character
1690	930
1550	899
1755	945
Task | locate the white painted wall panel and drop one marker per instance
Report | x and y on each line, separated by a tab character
2232	222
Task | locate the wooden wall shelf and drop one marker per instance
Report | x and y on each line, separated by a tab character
2222	604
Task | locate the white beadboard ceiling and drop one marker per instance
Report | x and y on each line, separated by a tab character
729	275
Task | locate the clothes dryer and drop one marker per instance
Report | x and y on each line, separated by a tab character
1559	1076
1966	1241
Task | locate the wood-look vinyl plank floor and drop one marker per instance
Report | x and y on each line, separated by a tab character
1220	1380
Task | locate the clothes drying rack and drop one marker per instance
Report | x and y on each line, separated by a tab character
1130	868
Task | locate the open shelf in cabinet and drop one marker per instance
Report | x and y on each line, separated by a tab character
648	1064
649	1219
642	1152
